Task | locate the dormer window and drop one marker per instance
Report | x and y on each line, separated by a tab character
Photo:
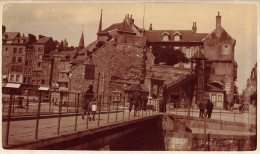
177	36
225	49
165	36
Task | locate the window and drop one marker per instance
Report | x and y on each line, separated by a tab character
14	50
13	59
6	49
12	78
220	98
225	49
31	55
184	50
40	49
213	97
39	64
176	48
177	37
26	63
20	50
155	91
17	78
27	55
33	81
42	81
89	72
24	80
44	73
40	56
188	53
29	71
19	59
25	71
30	63
165	37
227	87
38	82
29	80
116	96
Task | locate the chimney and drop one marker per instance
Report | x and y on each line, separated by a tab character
41	36
151	27
218	21
194	27
3	29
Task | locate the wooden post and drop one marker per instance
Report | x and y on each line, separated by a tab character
123	108
116	110
27	104
67	103
38	116
8	118
13	103
77	110
205	135
109	97
60	107
99	110
50	101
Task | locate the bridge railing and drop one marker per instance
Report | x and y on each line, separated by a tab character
248	117
41	113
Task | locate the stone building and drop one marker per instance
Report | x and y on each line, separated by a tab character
14	52
41	73
219	48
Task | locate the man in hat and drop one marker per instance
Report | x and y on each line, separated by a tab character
209	107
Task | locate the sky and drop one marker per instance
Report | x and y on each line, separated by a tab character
68	20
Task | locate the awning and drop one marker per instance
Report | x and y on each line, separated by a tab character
44	88
12	85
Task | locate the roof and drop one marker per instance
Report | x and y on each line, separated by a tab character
199	55
43	40
186	35
210	87
71	53
89	48
79	59
123	26
10	35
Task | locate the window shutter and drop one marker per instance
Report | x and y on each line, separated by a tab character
89	72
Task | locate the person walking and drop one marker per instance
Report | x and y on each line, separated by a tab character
93	108
201	107
209	108
86	106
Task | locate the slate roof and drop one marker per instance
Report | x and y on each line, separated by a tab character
71	54
43	40
186	35
89	48
210	87
123	26
10	35
79	59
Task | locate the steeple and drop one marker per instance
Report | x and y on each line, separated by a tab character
81	42
100	23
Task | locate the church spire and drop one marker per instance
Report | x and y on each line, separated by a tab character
81	42
100	23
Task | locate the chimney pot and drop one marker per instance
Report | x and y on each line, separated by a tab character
218	21
151	27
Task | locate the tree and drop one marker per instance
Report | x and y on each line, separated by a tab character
168	55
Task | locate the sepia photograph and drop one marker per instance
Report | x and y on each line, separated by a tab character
129	75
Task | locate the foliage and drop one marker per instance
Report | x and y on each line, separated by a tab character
168	55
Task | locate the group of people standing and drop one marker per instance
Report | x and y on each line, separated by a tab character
206	109
137	101
89	105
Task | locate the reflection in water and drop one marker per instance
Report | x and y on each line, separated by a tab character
172	135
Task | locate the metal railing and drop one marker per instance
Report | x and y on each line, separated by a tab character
52	113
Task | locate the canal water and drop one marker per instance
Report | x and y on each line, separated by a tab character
172	135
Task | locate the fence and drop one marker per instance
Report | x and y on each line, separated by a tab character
54	113
248	117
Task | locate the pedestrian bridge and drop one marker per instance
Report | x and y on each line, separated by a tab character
121	130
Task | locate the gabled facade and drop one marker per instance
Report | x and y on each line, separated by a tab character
219	48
